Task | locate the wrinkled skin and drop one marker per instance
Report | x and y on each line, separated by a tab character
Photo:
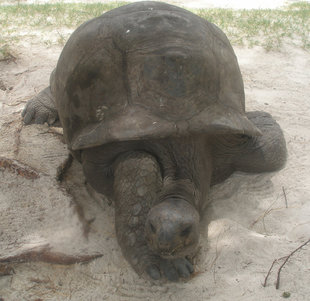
160	185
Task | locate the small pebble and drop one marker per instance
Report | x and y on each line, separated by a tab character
286	294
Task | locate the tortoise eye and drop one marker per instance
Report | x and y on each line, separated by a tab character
186	231
243	136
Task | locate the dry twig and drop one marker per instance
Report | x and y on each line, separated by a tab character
268	274
286	258
17	139
284	196
19	168
44	254
266	278
285	261
15	104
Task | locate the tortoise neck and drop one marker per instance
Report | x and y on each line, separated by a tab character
180	189
187	169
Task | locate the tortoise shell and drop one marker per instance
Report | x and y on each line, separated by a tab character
148	70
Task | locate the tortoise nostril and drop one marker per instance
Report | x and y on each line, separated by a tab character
185	232
152	227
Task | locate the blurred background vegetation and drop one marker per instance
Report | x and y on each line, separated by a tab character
52	24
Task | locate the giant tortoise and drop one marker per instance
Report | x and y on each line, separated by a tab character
151	101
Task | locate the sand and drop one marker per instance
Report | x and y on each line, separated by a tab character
252	219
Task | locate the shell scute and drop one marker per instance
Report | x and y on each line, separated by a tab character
148	70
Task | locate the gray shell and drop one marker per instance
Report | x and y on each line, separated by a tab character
148	70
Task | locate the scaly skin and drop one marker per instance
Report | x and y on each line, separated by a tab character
264	153
41	108
147	188
137	184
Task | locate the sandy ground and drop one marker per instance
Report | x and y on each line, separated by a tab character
251	220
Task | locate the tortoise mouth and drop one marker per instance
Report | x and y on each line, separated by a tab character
169	256
178	252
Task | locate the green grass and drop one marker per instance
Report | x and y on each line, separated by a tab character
267	28
59	14
21	21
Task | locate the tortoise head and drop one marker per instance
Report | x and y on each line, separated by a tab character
172	228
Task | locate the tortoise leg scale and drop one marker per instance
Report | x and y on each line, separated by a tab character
137	184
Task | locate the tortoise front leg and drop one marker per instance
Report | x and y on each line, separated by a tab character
137	184
42	107
263	153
